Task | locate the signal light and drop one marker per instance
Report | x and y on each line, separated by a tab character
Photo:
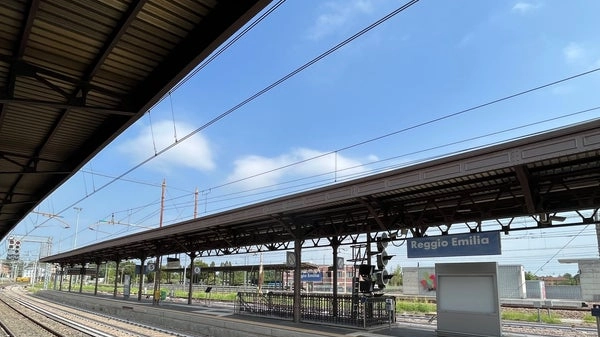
366	286
381	276
366	270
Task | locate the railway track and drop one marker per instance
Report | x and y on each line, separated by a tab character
18	322
63	321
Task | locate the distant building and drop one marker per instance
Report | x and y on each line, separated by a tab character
554	281
589	277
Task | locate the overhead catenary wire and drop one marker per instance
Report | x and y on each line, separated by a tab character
323	182
239	35
254	96
396	132
306	65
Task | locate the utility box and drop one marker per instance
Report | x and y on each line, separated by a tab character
467	299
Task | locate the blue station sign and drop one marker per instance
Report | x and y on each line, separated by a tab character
311	276
486	243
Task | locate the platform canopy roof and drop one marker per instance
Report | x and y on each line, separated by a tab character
75	74
542	176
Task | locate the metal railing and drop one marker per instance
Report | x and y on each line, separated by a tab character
359	311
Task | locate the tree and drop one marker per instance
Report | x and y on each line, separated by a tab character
530	276
396	279
570	279
203	274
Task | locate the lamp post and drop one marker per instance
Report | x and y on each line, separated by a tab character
78	209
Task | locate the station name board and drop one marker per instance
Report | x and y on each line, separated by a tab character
311	276
487	243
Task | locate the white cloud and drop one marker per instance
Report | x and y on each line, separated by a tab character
524	7
192	153
324	163
336	15
573	53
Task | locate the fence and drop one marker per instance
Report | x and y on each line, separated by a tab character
359	311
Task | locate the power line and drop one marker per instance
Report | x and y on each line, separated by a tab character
256	95
204	64
254	192
306	65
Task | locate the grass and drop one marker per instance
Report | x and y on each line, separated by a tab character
415	307
589	319
421	307
529	317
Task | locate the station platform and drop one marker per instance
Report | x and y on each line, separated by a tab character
211	318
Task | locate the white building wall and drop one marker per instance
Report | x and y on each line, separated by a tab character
511	281
421	281
418	281
590	280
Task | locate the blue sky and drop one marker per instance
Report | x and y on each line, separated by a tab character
433	60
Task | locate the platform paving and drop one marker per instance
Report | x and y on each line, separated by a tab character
217	317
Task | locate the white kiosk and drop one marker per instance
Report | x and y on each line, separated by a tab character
467	299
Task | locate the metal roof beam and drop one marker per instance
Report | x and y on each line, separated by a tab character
19	50
199	44
74	104
26	29
26	69
523	177
126	20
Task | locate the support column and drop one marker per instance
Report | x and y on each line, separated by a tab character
335	244
81	275
597	216
70	277
118	261
156	294
190	289
62	273
98	262
297	280
55	278
141	282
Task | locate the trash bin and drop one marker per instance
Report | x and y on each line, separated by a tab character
163	294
